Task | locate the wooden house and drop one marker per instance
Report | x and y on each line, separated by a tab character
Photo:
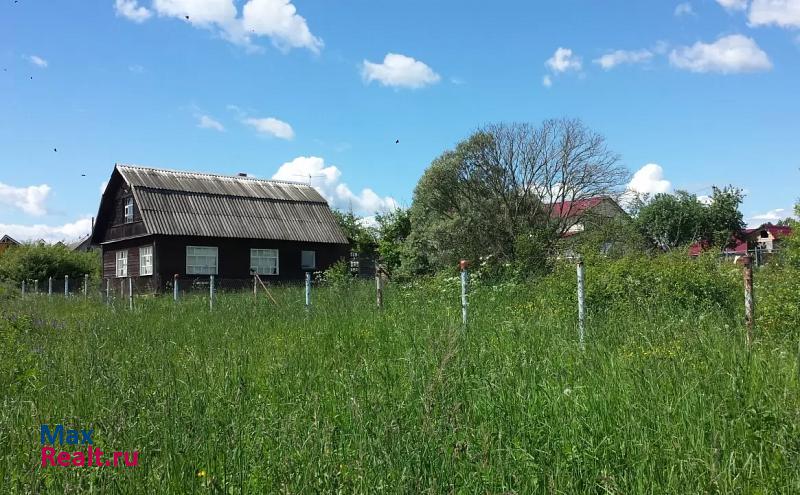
6	242
156	223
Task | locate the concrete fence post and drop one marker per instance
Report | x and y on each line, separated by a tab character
66	285
308	290
85	284
749	302
464	265
23	288
108	291
581	303
379	286
50	286
255	286
175	283
211	293
36	286
130	293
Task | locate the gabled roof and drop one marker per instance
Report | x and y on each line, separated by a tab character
198	204
568	209
7	239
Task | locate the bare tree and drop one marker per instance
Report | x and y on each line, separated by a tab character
507	179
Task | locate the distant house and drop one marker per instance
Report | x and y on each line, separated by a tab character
576	216
6	242
762	240
83	244
154	223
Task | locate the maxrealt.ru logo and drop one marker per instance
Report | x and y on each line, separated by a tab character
91	456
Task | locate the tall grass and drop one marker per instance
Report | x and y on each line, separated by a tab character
344	398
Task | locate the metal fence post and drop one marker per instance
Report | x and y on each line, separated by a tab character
749	304
66	285
36	286
581	303
85	284
211	294
108	291
130	293
50	286
175	287
379	286
464	265
308	290
23	288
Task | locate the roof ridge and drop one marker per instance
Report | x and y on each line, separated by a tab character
211	174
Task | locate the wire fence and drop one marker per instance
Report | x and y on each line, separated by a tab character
128	289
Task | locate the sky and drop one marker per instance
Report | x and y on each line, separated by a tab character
358	97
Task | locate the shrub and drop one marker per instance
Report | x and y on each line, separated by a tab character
40	261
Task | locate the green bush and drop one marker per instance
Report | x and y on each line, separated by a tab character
40	261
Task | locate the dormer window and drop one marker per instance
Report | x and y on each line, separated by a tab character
128	210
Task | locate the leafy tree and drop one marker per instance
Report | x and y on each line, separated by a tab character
673	220
393	230
491	194
41	261
362	237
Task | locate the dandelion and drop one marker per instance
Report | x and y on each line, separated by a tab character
201	473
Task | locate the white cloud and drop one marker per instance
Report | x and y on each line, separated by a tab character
399	71
683	9
206	122
728	55
611	60
327	180
50	233
773	215
136	69
547	81
29	199
277	20
271	127
649	180
733	4
705	199
784	13
563	60
37	61
130	9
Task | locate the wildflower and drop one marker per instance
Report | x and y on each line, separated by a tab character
201	473
567	391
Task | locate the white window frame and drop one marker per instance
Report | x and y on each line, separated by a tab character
260	261
121	265
197	258
129	209
145	260
313	265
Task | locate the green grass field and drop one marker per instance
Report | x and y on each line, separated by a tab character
255	398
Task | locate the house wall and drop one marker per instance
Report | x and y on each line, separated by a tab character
113	212
233	256
132	246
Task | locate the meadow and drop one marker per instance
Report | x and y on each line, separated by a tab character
260	397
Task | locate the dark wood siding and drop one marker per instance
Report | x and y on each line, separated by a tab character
132	245
113	226
233	256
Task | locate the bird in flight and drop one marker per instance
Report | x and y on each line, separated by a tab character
397	142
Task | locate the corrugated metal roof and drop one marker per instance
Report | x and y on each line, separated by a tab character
186	203
225	185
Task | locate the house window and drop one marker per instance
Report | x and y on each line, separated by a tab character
122	263
264	261
128	210
146	260
308	260
201	260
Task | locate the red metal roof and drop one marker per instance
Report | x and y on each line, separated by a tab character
569	209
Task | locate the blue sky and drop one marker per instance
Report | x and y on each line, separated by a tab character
690	94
